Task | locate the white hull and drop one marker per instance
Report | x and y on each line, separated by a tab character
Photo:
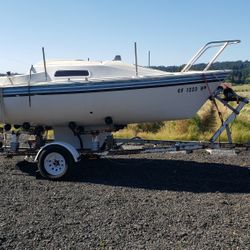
125	106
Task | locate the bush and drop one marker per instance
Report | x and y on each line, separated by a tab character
148	127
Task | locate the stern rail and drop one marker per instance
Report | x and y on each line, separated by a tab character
221	44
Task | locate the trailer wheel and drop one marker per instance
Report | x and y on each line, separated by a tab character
55	162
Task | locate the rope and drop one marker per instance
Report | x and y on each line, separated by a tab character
213	100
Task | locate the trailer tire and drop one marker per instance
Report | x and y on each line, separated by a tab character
55	162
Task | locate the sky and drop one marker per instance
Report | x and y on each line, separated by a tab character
100	29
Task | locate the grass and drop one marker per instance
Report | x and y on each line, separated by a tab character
242	88
201	127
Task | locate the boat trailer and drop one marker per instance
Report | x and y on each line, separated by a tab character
33	149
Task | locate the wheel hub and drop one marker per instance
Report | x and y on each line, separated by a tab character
55	164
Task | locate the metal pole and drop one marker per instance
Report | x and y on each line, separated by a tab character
44	64
216	55
136	64
149	58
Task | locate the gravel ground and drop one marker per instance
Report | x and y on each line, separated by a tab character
144	201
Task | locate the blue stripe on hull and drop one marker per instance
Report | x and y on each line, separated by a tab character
78	87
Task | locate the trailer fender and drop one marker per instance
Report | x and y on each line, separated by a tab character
74	153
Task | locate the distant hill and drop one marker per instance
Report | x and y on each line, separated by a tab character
240	70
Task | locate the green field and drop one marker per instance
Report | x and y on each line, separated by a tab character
200	127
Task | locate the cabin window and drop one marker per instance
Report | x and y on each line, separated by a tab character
61	73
